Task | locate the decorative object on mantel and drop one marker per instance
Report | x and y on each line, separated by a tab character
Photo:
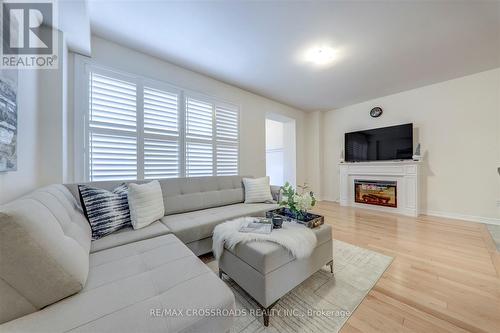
376	112
8	120
417	157
342	160
295	206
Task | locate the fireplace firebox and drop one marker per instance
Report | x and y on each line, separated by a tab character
376	192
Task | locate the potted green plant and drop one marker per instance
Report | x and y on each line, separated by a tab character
297	204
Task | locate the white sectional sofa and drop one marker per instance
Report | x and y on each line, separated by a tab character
53	278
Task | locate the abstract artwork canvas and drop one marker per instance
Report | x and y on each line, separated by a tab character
8	120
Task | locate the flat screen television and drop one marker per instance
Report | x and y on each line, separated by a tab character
380	144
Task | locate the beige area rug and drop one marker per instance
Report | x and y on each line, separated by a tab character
322	303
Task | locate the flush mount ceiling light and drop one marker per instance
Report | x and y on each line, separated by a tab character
321	55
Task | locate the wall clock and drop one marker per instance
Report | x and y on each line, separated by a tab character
376	112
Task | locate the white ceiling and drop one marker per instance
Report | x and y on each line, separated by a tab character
384	47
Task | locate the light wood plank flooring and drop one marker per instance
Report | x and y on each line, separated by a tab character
445	276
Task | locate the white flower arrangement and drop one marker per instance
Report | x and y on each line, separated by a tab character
303	202
298	203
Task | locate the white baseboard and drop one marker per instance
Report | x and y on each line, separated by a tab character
328	199
456	216
469	218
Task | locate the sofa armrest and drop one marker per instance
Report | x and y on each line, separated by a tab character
276	193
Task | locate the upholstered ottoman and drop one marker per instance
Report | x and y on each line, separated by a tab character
267	271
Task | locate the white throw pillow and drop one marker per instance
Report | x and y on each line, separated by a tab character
257	190
146	203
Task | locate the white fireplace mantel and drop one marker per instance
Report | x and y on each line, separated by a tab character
407	174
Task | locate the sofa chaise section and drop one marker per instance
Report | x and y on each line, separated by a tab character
50	283
131	288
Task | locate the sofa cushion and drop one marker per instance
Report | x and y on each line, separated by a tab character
129	235
127	285
44	246
67	212
193	226
191	194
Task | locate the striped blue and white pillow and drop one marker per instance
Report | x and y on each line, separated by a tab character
107	211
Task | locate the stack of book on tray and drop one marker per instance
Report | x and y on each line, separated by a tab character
258	226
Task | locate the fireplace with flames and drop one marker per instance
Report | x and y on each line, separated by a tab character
376	192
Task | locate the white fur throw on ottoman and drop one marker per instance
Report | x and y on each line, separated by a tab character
294	237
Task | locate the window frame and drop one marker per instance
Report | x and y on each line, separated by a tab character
83	66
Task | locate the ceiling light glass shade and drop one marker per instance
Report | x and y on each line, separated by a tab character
321	56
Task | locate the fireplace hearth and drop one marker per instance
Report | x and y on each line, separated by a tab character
376	192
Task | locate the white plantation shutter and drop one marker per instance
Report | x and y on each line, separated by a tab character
161	134
161	112
199	119
136	128
199	138
226	123
227	160
112	157
112	129
199	159
161	159
112	104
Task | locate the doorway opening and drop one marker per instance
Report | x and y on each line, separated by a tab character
280	149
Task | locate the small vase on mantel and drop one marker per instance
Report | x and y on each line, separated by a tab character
417	157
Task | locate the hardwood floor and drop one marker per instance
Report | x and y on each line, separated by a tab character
445	276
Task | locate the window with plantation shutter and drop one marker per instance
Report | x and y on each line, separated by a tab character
161	134
136	128
226	123
199	138
112	129
211	138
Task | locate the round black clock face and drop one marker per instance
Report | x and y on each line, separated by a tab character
376	112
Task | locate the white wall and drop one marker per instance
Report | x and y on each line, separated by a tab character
457	123
53	130
314	153
253	107
41	130
290	157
